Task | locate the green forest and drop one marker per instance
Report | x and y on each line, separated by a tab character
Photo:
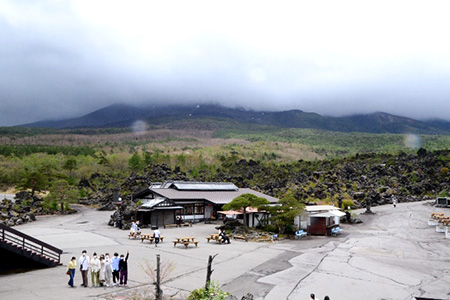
312	165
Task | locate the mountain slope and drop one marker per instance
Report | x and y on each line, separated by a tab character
122	115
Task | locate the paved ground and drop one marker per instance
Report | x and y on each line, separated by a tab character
393	255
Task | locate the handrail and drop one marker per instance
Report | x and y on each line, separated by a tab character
24	241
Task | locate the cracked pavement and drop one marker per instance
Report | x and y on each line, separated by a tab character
394	254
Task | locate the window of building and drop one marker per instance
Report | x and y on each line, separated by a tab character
199	210
188	209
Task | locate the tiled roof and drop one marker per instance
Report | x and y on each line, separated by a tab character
197	186
217	197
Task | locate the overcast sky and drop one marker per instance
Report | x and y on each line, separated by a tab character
62	59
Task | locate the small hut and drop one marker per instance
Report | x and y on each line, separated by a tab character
319	219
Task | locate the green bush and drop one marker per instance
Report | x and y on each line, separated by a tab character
271	228
347	203
443	193
214	293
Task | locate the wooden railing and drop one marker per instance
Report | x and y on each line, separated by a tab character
26	242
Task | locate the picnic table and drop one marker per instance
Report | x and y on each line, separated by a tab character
150	238
436	219
185	241
214	237
187	224
134	234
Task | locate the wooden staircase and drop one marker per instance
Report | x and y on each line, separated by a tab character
29	247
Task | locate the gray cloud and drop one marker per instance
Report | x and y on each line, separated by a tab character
68	58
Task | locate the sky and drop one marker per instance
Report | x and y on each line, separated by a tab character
61	58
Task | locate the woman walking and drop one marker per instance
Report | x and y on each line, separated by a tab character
71	270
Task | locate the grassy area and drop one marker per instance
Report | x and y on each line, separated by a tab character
328	144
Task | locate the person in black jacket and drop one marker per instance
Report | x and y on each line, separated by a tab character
123	268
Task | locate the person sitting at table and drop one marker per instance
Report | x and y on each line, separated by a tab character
133	228
223	236
138	227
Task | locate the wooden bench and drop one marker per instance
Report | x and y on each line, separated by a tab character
150	238
437	215
214	237
134	235
170	225
188	224
240	237
185	243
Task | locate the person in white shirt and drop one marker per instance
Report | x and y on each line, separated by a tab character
83	261
94	265
156	235
108	269
133	228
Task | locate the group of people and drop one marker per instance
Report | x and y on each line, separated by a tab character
105	270
135	228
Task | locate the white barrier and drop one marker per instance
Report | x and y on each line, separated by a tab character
433	222
440	228
447	233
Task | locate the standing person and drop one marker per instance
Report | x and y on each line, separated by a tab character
71	270
101	272
95	268
119	221
123	267
115	268
156	235
108	270
394	201
84	267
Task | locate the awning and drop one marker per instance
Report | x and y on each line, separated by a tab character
168	207
319	208
152	203
249	210
328	214
230	212
143	209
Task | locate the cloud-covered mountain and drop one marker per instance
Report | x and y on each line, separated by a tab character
124	115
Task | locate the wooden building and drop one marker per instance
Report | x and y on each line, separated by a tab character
192	201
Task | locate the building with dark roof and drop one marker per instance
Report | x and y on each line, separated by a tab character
192	201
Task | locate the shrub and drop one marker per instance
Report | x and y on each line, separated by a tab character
271	228
347	203
443	193
214	293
